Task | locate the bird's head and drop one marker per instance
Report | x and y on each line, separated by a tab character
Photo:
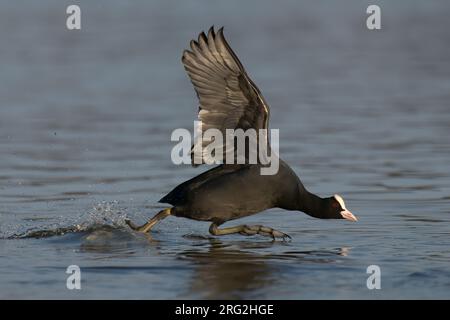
338	210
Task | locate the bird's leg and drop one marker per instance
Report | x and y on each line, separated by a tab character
151	223
248	231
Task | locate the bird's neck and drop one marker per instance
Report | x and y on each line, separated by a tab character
312	205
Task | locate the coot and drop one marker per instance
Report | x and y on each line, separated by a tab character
230	100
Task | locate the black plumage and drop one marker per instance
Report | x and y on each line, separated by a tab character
230	100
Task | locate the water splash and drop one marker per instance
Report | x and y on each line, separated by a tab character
102	215
106	214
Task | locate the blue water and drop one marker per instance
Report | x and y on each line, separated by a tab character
85	124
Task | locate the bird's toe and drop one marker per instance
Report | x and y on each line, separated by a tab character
282	235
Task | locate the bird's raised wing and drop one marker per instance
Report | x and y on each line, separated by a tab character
228	97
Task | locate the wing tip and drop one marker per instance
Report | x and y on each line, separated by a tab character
202	38
183	55
214	33
193	44
211	35
187	54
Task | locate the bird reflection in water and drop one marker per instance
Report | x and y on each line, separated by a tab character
238	271
220	269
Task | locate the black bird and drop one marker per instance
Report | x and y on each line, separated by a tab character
230	100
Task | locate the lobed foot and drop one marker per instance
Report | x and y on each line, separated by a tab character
248	231
264	231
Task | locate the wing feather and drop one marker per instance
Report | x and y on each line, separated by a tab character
228	97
